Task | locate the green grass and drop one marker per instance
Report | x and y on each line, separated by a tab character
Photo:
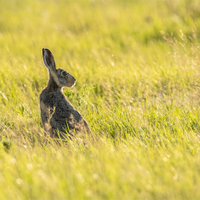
138	77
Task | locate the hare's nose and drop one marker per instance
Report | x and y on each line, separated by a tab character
73	81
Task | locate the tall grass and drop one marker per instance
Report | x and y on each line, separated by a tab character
137	70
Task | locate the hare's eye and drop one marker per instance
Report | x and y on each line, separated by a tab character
64	73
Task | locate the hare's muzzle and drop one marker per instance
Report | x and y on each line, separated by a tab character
72	81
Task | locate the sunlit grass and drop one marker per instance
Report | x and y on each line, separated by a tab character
137	70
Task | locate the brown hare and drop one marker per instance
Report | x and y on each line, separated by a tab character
59	117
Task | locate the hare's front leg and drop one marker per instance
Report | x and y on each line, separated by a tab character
45	115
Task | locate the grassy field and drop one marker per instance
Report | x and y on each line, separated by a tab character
137	65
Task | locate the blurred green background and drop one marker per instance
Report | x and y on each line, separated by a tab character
137	68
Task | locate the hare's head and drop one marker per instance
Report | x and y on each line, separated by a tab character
60	76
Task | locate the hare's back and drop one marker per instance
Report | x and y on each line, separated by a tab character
63	116
66	115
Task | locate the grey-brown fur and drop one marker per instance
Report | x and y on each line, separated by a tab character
57	113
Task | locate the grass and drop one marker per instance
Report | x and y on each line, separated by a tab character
137	70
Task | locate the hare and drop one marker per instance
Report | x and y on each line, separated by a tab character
59	117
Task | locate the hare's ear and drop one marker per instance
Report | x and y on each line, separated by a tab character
48	59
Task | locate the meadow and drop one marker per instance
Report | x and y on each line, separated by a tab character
137	65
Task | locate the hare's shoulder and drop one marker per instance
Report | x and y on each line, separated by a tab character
51	97
45	95
58	101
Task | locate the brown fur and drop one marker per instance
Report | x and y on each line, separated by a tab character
58	115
